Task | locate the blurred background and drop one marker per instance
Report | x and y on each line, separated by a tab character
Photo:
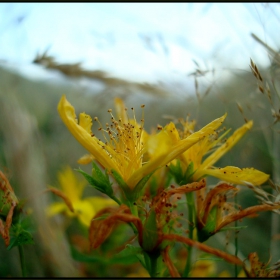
176	58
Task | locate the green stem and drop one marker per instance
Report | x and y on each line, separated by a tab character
191	213
116	199
151	263
134	212
235	241
22	261
134	228
153	266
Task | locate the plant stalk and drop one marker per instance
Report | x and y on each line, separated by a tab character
151	262
191	214
22	261
235	241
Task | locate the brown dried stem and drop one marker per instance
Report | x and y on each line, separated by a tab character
246	212
4	230
63	196
227	257
100	229
172	269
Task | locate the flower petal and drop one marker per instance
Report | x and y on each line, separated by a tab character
56	208
70	185
99	202
236	175
232	140
81	133
85	121
84	211
174	151
163	141
86	159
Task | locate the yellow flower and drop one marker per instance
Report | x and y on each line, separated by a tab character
72	188
226	274
141	272
205	167
204	268
125	142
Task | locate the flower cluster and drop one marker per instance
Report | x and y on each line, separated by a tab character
150	174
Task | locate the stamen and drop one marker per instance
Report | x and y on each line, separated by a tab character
123	140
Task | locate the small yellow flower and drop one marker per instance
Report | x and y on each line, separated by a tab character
230	174
140	273
125	142
204	268
226	274
72	188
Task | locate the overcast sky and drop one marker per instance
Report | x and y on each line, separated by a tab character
140	41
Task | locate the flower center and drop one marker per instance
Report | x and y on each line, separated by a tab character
124	141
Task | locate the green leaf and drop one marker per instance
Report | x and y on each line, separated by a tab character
123	185
189	173
153	186
128	255
98	180
21	232
78	256
120	180
180	177
140	185
99	176
168	179
141	259
20	236
131	194
210	226
176	171
91	180
130	250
